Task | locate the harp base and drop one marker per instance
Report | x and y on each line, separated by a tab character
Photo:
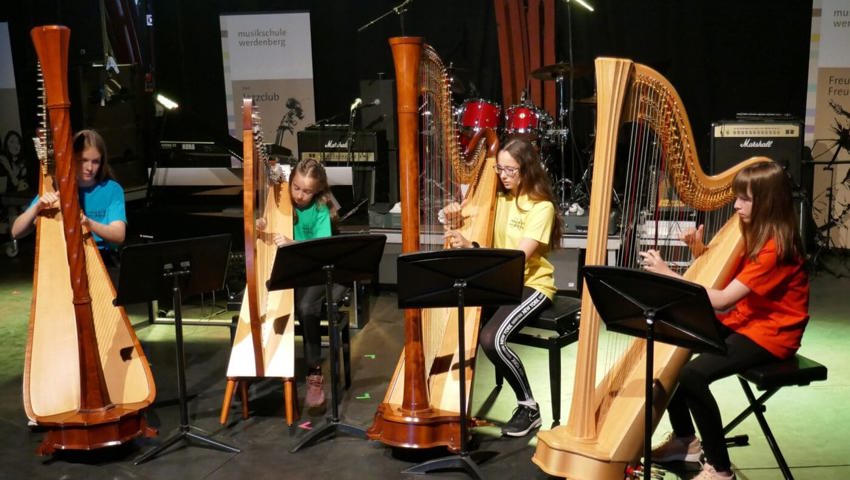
289	398
439	429
553	458
88	435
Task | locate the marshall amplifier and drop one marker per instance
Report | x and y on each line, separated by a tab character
368	158
328	145
735	141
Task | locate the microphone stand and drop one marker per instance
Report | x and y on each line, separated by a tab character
349	150
398	10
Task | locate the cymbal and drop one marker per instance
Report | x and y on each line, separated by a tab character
560	70
456	85
587	101
451	67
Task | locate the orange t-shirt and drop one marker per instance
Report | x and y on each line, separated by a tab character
775	312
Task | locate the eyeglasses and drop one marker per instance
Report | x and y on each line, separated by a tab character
509	171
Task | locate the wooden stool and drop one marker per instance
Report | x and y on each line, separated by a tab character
796	371
561	319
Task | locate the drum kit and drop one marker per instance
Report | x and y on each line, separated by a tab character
527	120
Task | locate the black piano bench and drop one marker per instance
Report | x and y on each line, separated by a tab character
769	378
561	319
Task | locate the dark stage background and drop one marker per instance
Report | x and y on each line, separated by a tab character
723	56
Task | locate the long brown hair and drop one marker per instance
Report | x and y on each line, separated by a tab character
773	214
534	181
312	168
90	138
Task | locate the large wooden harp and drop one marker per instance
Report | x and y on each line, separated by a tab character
86	378
637	106
264	344
420	408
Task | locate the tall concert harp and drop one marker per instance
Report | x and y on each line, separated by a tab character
86	378
264	344
666	192
420	408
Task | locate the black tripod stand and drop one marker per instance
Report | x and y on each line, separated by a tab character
823	233
325	261
189	266
449	278
654	307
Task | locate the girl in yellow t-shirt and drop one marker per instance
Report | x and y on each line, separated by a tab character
526	219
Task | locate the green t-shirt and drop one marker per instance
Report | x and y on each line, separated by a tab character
314	221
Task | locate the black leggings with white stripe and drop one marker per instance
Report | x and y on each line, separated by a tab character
499	324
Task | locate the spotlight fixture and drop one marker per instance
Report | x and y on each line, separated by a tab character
166	102
584	4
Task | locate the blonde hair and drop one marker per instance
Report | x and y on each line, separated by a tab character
312	168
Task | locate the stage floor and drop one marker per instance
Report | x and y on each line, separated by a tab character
809	423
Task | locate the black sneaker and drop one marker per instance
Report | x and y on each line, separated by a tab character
524	420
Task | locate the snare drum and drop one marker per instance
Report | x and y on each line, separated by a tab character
526	120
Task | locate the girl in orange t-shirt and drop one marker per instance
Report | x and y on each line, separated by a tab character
765	310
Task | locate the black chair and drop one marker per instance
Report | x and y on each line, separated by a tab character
769	378
561	320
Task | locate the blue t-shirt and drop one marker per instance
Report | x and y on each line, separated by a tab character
103	203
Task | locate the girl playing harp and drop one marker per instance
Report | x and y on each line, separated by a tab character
526	219
766	307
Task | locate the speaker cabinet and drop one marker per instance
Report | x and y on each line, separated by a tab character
735	141
382	117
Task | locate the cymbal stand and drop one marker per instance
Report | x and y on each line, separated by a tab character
562	133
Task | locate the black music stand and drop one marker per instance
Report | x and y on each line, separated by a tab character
459	278
340	259
654	307
187	266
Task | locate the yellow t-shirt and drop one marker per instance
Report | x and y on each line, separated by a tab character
533	221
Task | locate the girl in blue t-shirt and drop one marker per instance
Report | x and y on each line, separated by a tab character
101	197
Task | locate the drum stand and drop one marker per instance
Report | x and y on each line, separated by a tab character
563	135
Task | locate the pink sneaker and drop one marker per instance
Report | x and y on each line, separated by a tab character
315	398
676	449
709	473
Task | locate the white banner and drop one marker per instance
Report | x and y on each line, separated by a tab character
828	120
269	57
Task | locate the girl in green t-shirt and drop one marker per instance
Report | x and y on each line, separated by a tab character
314	214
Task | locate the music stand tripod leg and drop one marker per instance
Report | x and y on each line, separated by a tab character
333	424
185	429
447	463
462	459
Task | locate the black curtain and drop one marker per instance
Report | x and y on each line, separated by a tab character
723	56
